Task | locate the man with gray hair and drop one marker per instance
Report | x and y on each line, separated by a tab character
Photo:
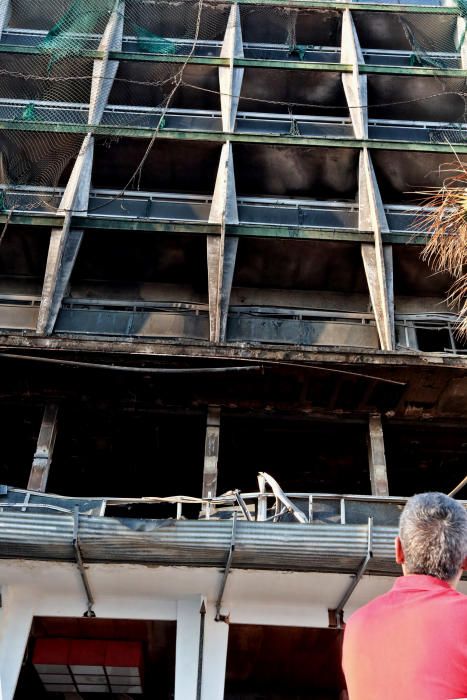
411	643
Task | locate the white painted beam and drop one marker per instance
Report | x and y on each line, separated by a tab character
231	78
65	242
355	85
222	250
216	638
187	648
377	457
377	259
44	450
16	620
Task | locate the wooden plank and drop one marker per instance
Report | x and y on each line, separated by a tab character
44	450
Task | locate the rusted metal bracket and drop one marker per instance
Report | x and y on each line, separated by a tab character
228	566
336	615
81	568
202	622
243	505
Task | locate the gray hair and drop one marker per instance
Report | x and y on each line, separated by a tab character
433	532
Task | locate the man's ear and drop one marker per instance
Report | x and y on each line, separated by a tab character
464	565
400	556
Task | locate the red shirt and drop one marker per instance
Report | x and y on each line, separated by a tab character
408	644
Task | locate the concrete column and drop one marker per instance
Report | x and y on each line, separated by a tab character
44	450
188	650
216	637
15	625
377	457
211	452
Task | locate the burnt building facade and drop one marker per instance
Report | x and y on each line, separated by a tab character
224	362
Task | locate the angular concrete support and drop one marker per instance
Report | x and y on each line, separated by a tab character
355	85
377	258
222	254
104	71
377	457
231	78
188	649
15	625
76	195
5	11
65	242
44	450
211	452
222	250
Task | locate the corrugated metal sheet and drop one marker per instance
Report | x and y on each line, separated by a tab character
274	546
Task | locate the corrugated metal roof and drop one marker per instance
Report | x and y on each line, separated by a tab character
260	545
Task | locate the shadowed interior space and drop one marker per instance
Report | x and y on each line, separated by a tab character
283	663
304	456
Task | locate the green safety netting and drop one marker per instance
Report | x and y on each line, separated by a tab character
70	35
437	48
148	42
52	84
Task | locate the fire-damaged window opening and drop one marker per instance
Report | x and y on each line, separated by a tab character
308	456
424	458
85	658
128	454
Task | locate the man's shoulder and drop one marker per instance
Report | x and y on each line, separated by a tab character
457	600
448	601
370	609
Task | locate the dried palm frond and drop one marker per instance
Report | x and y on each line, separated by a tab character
445	221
